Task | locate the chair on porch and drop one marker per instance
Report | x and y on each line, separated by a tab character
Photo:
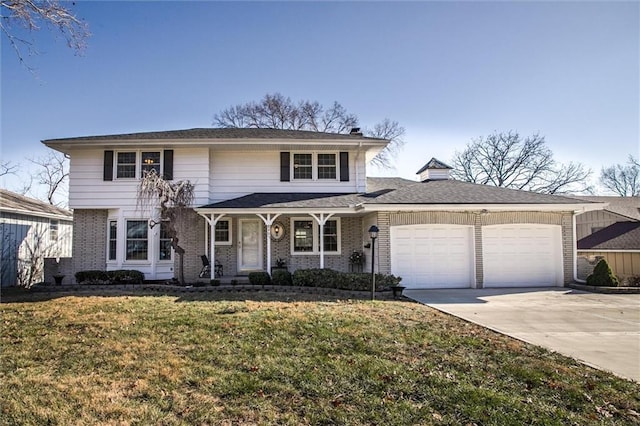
206	268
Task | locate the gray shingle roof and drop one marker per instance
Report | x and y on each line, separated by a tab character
398	191
289	200
619	236
218	133
457	192
624	206
375	184
16	203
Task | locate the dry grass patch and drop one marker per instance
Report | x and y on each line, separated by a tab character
198	360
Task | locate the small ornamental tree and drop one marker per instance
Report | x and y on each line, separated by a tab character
175	200
602	276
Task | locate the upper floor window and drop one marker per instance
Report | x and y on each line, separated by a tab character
326	166
126	165
53	230
150	161
302	166
310	166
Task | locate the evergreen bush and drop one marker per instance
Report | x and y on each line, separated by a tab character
602	276
259	278
281	277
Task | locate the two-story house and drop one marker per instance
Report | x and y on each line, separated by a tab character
263	194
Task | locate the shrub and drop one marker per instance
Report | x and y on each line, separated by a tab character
125	276
92	277
259	278
120	276
633	281
316	278
602	276
214	282
281	277
329	278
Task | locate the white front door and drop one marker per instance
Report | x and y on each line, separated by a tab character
250	245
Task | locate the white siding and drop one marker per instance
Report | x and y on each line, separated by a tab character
88	190
26	242
238	173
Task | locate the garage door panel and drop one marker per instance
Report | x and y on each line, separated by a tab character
433	256
522	255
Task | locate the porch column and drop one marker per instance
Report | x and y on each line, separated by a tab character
268	221
212	220
322	220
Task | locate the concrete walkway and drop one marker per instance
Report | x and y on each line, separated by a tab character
600	330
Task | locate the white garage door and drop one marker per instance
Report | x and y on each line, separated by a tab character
522	255
433	256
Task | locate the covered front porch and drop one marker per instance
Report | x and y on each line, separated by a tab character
246	238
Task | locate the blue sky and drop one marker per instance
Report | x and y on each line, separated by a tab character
447	71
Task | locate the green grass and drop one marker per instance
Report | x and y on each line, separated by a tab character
283	359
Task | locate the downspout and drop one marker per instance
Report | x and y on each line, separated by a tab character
575	250
356	160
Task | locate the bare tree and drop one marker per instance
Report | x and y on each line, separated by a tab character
53	173
275	111
624	180
31	15
7	168
507	160
175	200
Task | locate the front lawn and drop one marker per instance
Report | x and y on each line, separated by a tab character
283	359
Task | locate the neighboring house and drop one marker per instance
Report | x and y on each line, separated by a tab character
612	234
31	231
263	194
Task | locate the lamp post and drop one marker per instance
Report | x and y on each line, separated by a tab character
373	233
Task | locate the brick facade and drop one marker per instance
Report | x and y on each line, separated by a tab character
89	240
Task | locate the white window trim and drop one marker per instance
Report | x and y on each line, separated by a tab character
316	237
314	166
224	243
156	243
150	245
109	220
138	173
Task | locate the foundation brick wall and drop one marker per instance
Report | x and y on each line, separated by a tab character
89	241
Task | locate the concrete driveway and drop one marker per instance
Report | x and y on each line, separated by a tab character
600	330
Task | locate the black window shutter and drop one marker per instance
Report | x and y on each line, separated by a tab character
108	166
285	157
344	167
168	164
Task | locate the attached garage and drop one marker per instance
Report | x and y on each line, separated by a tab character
522	255
433	256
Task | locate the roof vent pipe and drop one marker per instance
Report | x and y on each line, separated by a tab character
355	131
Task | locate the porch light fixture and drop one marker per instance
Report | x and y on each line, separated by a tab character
277	231
153	223
373	233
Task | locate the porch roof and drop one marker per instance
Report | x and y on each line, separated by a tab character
286	200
